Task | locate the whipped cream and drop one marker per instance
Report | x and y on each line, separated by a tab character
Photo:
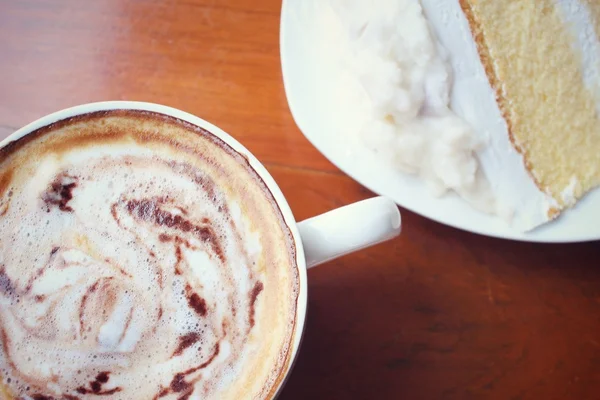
577	16
404	85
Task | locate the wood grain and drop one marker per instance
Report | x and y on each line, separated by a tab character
437	313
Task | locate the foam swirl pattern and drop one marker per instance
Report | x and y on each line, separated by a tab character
140	258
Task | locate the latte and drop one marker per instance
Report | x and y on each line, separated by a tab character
140	258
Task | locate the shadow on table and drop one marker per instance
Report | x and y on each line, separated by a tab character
441	313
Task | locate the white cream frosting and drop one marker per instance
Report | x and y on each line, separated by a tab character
403	80
577	16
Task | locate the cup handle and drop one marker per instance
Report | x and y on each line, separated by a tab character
348	229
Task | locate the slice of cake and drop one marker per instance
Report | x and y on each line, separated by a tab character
527	74
496	101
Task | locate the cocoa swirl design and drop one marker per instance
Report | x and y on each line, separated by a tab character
140	267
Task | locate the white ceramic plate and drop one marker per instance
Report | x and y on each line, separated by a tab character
311	83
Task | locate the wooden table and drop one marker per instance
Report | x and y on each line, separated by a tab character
437	313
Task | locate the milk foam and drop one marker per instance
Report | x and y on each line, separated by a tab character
141	270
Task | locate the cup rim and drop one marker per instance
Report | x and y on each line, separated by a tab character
255	164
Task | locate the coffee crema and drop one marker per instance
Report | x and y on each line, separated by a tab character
140	258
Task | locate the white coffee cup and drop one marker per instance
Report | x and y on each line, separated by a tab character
318	239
